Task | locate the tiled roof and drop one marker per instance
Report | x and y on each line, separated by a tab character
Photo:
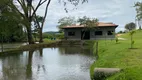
100	24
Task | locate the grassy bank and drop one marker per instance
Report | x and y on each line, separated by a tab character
112	55
46	43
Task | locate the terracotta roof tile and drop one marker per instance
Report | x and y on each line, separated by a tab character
100	24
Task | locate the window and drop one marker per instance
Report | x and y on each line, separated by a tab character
71	33
110	33
98	33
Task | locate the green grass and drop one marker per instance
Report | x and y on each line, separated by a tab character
112	55
48	41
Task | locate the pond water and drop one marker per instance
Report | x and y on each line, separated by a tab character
63	63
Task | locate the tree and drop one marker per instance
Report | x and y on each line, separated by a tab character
130	26
38	22
66	21
139	25
138	6
10	24
35	34
41	20
28	11
131	35
10	27
120	32
88	23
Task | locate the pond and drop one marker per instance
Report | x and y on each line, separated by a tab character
62	63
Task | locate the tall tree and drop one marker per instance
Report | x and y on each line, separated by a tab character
65	21
130	26
138	6
139	23
28	11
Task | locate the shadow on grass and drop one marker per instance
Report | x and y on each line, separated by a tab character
133	48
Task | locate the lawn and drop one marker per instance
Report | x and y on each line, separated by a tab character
48	41
112	55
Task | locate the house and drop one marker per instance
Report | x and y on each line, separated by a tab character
101	31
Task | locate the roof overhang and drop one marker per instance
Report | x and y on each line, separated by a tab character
99	25
92	27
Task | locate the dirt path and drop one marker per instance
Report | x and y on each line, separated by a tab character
120	38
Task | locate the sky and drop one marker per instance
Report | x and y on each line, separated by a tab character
119	12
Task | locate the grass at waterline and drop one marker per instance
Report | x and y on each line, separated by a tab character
112	55
46	43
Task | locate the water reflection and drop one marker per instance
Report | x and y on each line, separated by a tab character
64	63
12	66
41	52
76	50
29	66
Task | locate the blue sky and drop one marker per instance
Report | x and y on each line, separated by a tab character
119	12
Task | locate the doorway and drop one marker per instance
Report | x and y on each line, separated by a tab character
85	35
